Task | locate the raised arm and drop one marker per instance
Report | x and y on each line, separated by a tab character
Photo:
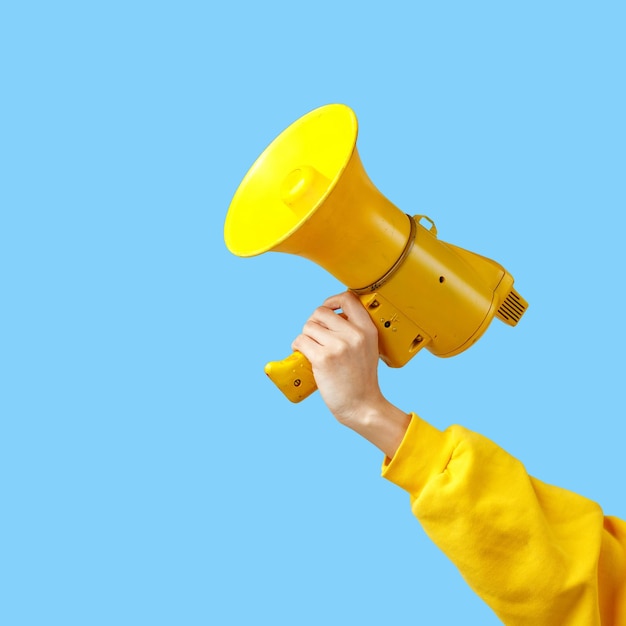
538	555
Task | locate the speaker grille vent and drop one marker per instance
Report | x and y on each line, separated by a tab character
512	308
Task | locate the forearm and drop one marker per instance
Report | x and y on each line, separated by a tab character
383	425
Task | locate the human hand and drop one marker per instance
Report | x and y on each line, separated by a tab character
343	351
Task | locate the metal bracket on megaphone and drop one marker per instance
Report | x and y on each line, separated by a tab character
432	229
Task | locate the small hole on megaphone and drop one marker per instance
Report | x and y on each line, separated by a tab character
387	324
442	279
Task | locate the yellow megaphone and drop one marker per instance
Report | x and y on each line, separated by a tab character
308	194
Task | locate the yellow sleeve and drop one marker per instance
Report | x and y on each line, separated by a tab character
538	555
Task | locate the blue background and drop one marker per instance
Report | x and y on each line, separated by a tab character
149	472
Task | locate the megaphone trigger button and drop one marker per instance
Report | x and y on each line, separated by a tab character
416	342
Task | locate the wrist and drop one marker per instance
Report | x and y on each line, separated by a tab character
381	423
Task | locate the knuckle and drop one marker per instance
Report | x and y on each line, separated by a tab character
360	338
320	311
308	326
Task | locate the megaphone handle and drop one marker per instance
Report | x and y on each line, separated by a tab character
293	376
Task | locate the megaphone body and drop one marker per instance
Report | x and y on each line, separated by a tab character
308	194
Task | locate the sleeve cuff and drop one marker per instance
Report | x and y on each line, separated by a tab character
423	453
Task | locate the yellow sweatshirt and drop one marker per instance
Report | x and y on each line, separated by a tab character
538	555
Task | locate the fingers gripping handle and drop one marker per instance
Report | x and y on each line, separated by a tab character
293	376
399	340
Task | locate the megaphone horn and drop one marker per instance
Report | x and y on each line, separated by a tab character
309	195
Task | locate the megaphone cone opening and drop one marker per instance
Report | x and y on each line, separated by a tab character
290	180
